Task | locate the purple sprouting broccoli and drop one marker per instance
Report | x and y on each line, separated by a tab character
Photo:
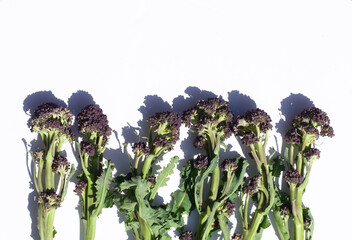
163	135
212	122
53	124
94	181
307	127
253	129
139	187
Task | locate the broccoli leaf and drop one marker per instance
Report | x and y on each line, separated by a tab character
223	222
102	186
163	177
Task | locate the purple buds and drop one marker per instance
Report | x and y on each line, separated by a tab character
60	165
201	162
293	177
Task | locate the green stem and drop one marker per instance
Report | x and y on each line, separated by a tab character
202	220
41	222
281	225
245	213
136	234
201	194
135	167
297	211
90	228
62	184
146	233
215	181
49	216
299	163
256	221
292	149
230	178
89	199
147	164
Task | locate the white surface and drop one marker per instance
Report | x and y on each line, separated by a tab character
130	54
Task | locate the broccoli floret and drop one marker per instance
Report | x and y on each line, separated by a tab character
252	186
237	236
60	165
209	118
187	235
80	187
87	148
293	177
255	121
311	153
51	121
166	128
93	123
308	126
50	200
229	208
201	162
228	165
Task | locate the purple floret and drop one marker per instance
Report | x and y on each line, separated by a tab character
228	165
60	164
201	162
311	153
151	179
251	187
80	187
255	117
249	138
141	147
87	148
230	208
208	116
237	236
293	177
50	200
293	137
327	131
166	126
313	121
51	117
92	120
187	235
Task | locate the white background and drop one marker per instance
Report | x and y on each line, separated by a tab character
135	58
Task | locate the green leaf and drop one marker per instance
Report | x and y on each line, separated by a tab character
163	177
223	222
102	187
209	224
180	202
277	166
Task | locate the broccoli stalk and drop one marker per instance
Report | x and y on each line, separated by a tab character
52	123
96	177
136	191
307	127
211	120
253	129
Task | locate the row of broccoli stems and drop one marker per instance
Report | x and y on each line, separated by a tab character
211	121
